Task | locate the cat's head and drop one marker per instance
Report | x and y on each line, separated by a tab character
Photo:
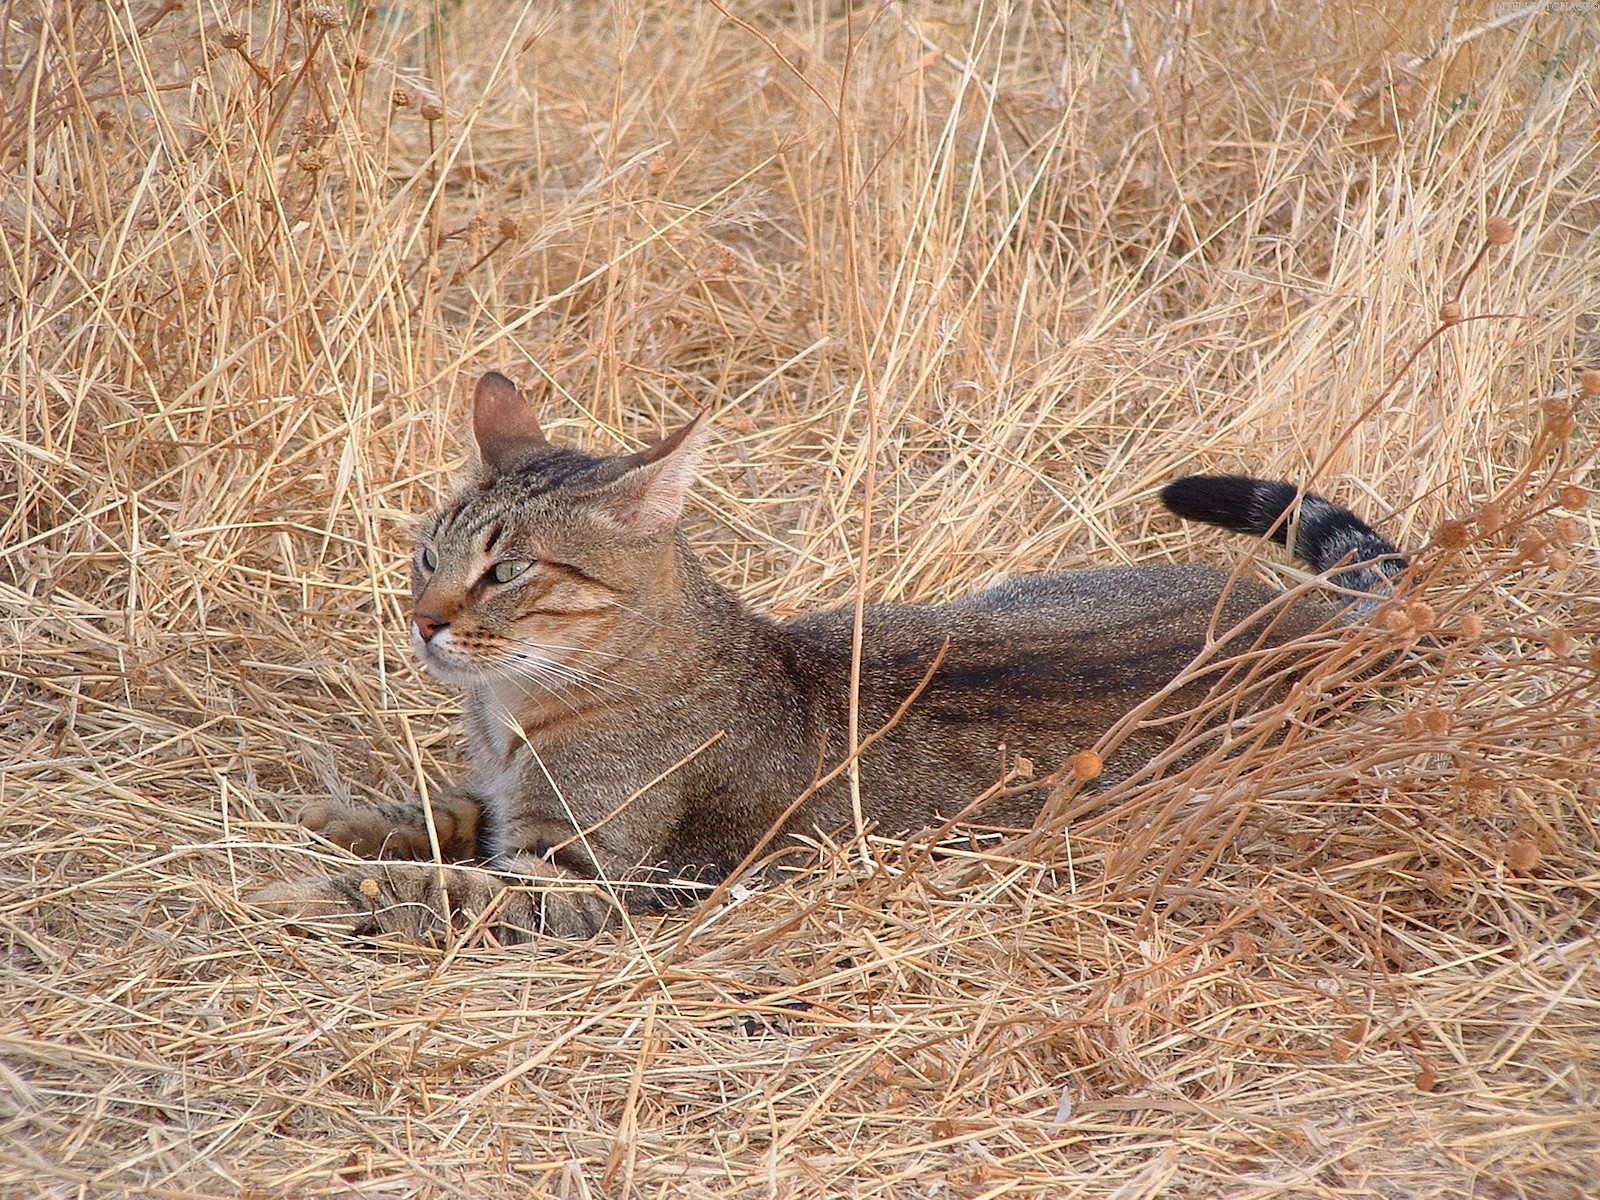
544	570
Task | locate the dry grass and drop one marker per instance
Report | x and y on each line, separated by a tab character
988	272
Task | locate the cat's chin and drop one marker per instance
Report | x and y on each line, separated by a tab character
452	674
455	677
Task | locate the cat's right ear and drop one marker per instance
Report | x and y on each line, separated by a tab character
504	424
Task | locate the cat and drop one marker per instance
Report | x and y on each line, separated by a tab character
632	728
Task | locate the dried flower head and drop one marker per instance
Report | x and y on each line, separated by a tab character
1532	546
508	228
1573	498
1436	721
1086	765
402	98
1523	853
432	111
1561	643
326	16
1452	535
1498	231
1471	625
1589	381
1450	312
369	888
231	39
1420	616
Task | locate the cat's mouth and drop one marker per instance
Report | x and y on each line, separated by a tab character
533	669
443	659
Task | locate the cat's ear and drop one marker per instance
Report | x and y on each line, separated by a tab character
504	424
649	487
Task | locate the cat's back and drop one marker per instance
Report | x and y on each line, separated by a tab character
1094	596
1110	632
1061	604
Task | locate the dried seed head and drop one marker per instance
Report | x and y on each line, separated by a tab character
1480	794
1440	882
1450	313
231	39
1427	1079
508	228
369	888
1420	616
326	16
1414	726
1557	559
432	111
1436	721
1589	382
1560	427
1452	534
1574	498
1523	853
1086	765
1498	231
1492	516
1561	643
401	98
311	159
1471	625
1532	545
1567	530
359	61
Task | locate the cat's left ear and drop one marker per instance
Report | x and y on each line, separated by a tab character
504	424
648	487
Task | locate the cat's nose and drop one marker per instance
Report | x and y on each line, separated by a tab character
427	626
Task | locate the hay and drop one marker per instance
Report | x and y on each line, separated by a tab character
988	274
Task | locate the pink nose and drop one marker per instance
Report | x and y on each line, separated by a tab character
427	626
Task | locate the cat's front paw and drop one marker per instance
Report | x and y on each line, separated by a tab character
364	831
398	829
405	899
423	904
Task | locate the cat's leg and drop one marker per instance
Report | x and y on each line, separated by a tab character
399	829
539	898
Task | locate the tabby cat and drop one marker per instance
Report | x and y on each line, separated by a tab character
633	728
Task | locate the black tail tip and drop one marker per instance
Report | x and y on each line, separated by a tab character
1231	501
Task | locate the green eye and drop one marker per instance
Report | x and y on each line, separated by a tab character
505	572
430	560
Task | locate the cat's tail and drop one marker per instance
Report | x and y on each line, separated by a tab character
1327	535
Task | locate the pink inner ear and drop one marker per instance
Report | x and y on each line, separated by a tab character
649	497
504	423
